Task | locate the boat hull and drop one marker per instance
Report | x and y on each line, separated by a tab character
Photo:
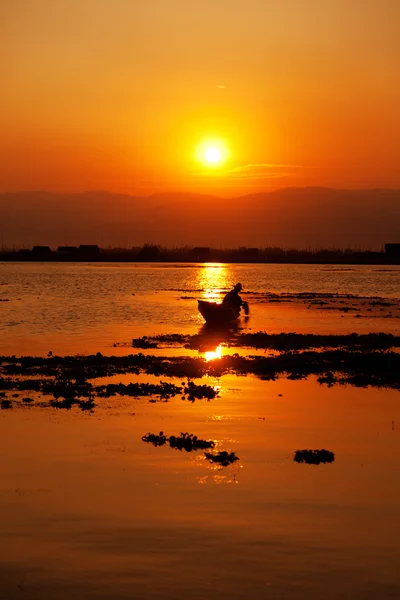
215	313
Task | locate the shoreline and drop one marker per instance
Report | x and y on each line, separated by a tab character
377	259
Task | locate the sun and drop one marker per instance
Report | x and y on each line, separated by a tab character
212	153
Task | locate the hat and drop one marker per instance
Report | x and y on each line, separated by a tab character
238	286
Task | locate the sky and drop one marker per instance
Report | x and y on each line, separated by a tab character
128	95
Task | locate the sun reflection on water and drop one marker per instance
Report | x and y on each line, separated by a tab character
213	354
213	279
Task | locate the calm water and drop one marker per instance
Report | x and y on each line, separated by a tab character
88	510
70	308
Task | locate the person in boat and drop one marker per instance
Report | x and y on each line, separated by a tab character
233	299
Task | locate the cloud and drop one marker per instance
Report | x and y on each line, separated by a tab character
265	171
258	176
263	167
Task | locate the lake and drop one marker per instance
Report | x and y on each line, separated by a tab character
88	509
70	308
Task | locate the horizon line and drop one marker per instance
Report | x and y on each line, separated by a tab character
188	192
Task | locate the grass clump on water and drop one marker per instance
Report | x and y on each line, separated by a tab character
184	441
314	457
222	458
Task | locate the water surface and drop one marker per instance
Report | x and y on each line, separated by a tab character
86	308
88	510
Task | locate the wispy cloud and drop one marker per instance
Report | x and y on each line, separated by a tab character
257	171
262	175
263	167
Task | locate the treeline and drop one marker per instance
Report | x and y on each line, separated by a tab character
154	253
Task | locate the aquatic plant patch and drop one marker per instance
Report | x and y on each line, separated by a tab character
163	390
222	458
314	457
69	392
184	441
198	392
274	341
73	383
191	443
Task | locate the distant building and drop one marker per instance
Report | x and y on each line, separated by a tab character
392	250
41	250
201	253
66	250
251	254
88	251
89	248
149	252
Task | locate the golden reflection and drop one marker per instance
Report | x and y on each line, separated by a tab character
213	354
213	279
212	340
220	418
218	479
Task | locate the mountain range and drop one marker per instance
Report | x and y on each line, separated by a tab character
290	218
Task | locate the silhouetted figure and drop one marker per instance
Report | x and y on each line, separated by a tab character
233	299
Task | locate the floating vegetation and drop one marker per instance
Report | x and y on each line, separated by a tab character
197	392
320	296
191	443
328	379
171	339
86	404
68	403
273	341
69	392
155	439
144	343
222	458
68	379
314	457
303	341
163	390
185	441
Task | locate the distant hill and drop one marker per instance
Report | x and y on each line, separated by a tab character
290	217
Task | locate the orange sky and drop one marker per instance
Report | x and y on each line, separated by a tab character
117	94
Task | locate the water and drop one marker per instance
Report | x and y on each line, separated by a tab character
85	308
88	510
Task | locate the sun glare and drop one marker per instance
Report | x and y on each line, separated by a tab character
212	153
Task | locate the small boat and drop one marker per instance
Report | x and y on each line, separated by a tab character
215	313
